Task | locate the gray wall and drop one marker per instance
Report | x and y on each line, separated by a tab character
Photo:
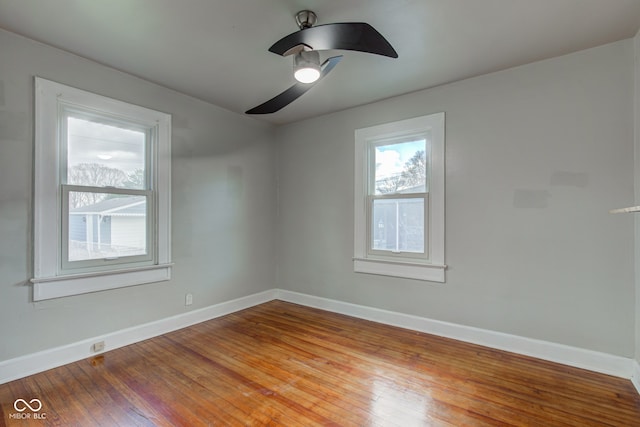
223	211
535	158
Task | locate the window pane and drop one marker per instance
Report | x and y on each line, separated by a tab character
104	155
401	168
103	225
398	225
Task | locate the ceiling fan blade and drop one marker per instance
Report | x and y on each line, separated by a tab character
294	92
357	36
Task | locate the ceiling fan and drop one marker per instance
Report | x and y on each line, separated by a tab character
304	46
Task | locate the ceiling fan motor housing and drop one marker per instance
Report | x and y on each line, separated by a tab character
306	19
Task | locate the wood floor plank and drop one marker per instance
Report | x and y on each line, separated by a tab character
281	364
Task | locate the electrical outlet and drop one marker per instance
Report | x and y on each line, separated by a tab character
188	299
98	347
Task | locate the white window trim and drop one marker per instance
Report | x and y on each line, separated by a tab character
49	282
434	268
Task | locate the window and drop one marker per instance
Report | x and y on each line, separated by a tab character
399	199
102	193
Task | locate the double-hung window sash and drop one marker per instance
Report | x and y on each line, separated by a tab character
106	190
398	197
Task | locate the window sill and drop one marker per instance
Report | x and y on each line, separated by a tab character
61	286
406	270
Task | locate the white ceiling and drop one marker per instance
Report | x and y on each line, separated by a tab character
216	50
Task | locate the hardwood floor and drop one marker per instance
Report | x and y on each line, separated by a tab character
284	364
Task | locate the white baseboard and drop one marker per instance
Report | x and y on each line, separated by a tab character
23	366
594	361
559	353
635	378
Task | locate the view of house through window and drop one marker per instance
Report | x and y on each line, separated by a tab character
399	196
114	227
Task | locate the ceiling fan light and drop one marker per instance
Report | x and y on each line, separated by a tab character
307	75
306	66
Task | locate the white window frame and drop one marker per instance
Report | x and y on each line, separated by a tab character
53	276
430	266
